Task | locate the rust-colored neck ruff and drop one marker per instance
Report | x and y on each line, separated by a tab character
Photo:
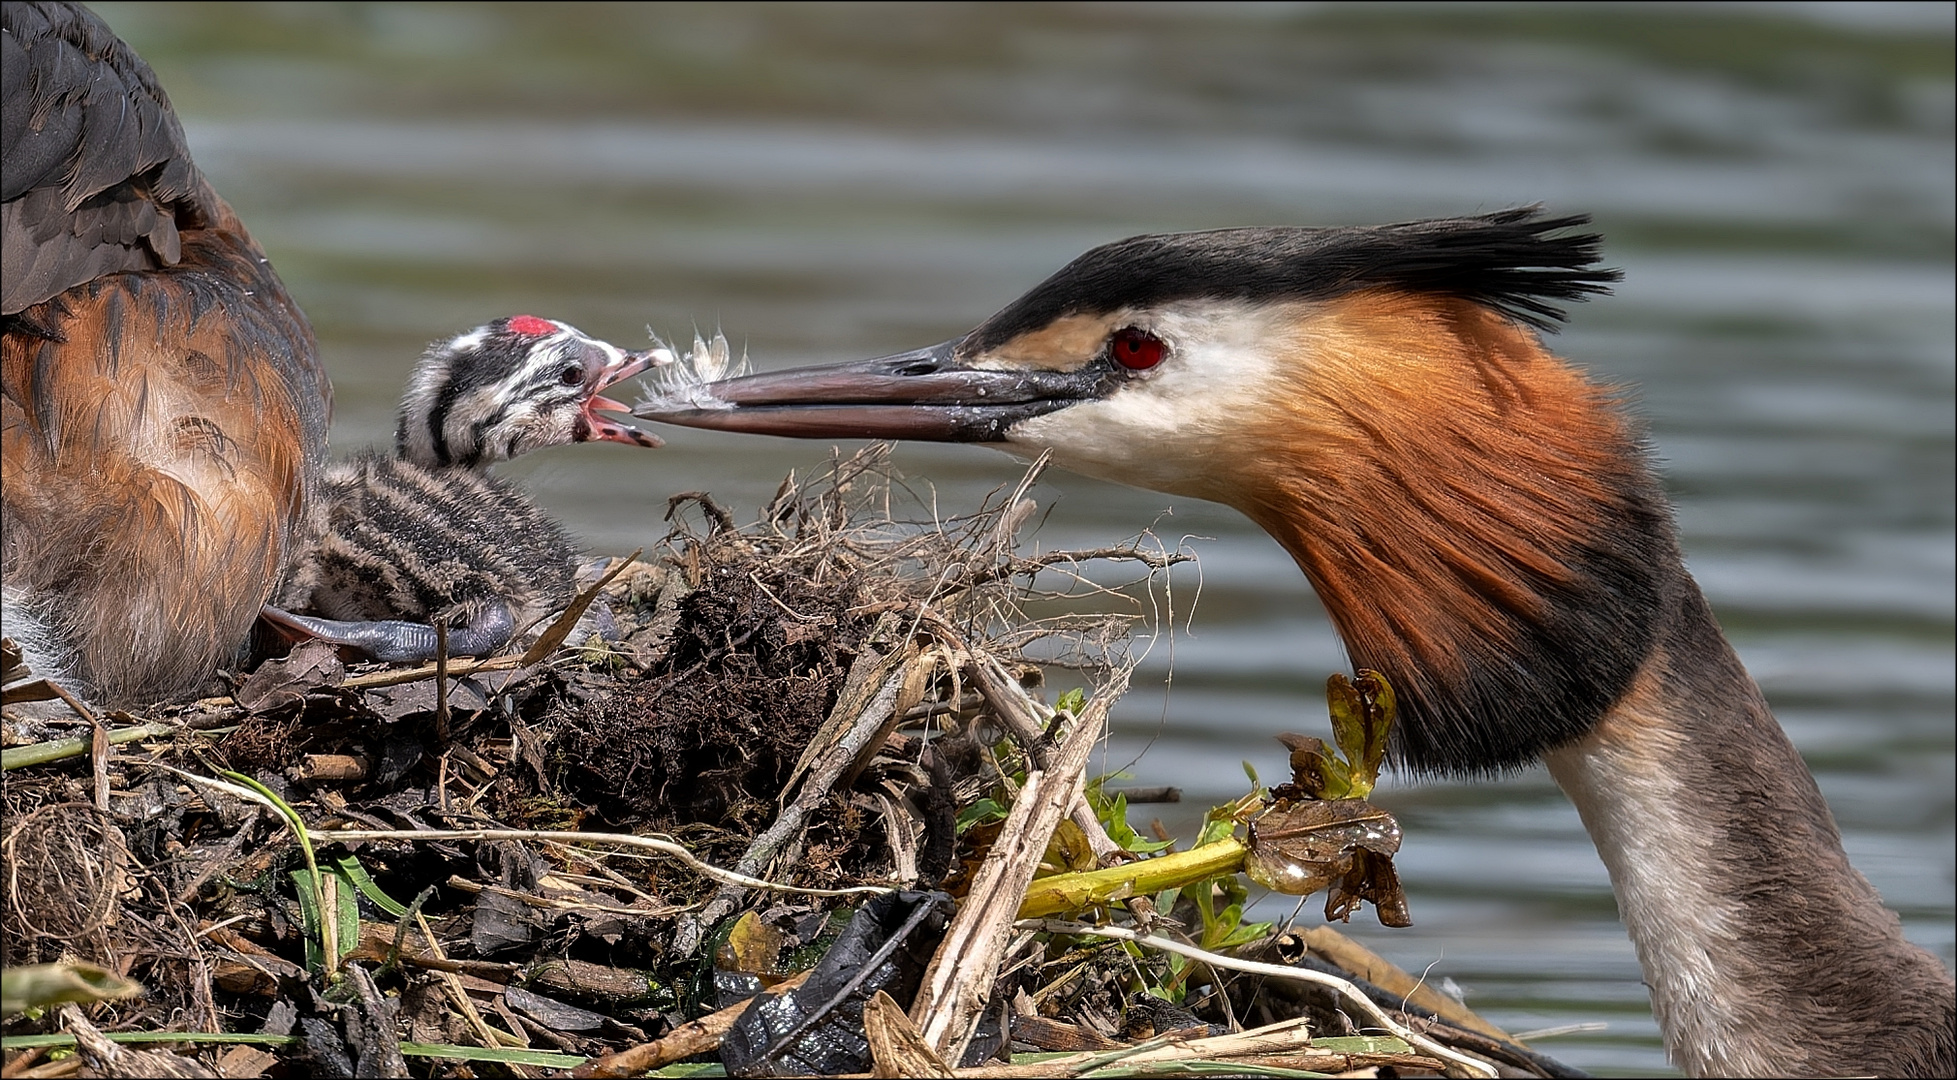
1483	527
1478	518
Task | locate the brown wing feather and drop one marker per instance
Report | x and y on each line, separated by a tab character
157	458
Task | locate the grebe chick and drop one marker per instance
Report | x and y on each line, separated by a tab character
400	541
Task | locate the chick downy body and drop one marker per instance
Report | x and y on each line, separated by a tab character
399	543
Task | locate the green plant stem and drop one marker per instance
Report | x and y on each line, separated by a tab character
16	757
1146	877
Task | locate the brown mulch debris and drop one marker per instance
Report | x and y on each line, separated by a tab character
735	648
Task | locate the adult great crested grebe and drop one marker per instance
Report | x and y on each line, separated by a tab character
1485	527
162	406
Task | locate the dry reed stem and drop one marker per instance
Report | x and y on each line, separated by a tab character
452	982
897	1048
1345	953
959	981
546	903
697	1037
1022	717
1332	1062
1462	1064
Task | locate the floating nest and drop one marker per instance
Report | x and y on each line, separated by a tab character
806	809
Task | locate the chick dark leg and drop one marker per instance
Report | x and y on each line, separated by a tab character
393	641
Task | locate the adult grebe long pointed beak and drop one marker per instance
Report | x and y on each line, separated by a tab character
927	394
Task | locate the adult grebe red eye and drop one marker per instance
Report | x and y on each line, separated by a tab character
1136	349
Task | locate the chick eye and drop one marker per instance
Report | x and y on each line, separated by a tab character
572	375
1136	349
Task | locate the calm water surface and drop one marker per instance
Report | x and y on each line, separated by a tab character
831	182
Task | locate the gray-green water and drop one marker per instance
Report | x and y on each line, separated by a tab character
828	182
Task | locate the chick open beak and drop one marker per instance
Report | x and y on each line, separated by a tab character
926	394
605	429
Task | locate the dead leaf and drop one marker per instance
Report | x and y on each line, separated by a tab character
311	665
1316	771
1303	846
752	947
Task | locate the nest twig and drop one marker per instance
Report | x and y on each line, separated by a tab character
823	701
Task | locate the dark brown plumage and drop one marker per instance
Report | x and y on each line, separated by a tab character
162	406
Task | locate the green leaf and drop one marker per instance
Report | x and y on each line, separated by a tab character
1363	712
346	906
504	1054
1244	934
311	884
333	884
349	867
1203	895
980	811
1115	820
1381	717
1349	728
311	927
1216	827
1113	815
36	986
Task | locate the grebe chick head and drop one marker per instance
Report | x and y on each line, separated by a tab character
512	386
